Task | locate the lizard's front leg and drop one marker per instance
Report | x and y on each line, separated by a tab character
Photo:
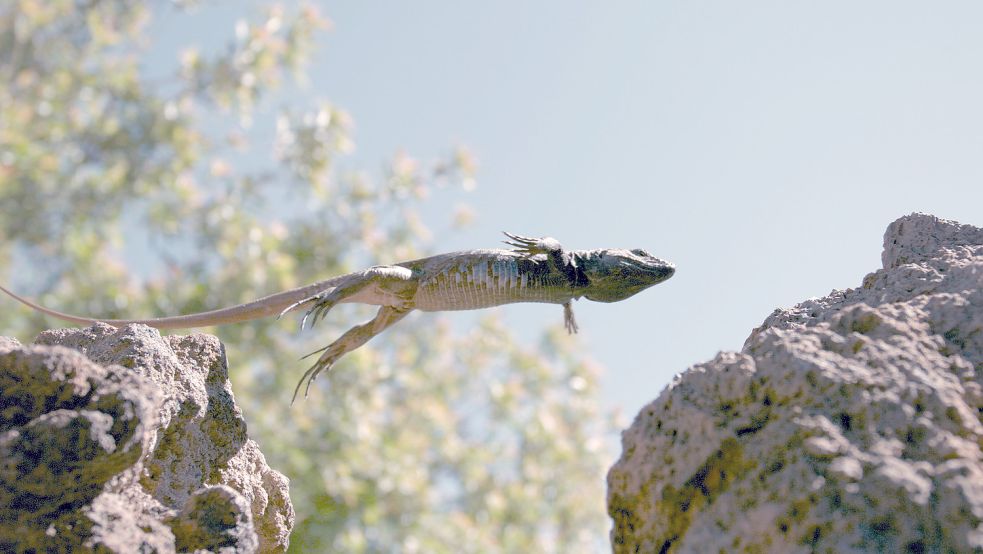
568	320
530	246
561	261
352	339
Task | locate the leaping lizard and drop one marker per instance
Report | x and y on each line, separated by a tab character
535	270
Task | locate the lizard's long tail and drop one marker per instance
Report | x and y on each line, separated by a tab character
273	304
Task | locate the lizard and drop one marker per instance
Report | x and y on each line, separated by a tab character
534	270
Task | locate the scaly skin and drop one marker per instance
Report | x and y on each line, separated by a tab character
536	270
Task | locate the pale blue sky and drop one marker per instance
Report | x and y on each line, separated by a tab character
761	146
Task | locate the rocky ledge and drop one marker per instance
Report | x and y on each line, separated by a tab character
120	440
850	423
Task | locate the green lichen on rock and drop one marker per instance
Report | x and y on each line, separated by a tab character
97	456
678	505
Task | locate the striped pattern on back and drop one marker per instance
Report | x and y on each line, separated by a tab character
490	279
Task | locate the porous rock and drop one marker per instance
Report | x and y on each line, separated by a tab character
849	423
120	440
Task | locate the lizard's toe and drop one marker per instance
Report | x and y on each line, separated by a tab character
323	363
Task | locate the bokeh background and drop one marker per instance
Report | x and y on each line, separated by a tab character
216	151
761	146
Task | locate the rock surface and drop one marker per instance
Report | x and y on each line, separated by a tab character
120	440
850	423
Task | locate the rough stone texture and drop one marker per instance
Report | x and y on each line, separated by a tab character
850	423
127	441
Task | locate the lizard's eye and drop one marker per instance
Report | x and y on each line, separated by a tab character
640	252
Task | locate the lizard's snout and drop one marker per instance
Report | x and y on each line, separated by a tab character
663	271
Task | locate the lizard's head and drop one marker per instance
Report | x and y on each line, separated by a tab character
617	274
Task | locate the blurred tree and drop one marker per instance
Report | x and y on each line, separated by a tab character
127	194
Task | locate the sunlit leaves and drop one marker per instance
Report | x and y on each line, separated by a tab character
308	143
134	196
256	59
462	467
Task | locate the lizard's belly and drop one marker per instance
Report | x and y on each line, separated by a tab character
491	284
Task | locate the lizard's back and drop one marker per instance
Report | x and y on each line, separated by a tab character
477	279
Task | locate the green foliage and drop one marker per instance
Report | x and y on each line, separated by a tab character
120	196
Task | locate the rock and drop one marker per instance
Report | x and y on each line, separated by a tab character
121	440
215	518
849	423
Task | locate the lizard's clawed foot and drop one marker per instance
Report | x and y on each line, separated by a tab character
294	306
322	305
352	339
568	320
323	363
323	302
521	242
530	246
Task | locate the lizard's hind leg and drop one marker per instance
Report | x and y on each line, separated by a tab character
380	285
352	339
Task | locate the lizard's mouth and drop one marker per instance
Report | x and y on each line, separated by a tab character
651	272
629	279
665	270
